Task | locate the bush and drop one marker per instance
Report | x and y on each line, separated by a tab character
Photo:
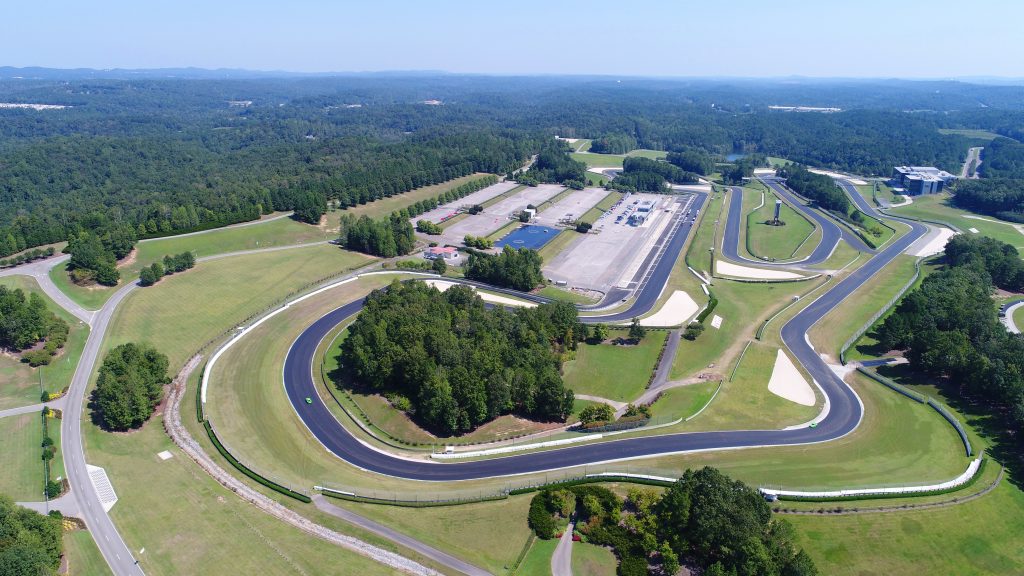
540	519
427	227
479	243
583	227
597	413
439	266
53	489
693	330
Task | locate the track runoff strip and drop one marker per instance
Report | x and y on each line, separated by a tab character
843	415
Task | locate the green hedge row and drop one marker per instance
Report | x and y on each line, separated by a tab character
712	302
245	470
594	480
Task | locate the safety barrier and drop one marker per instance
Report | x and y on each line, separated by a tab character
884	310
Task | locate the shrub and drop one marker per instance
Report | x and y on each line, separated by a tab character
540	519
36	357
583	227
597	413
427	227
693	330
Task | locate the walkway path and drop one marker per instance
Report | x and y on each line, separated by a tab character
40	270
561	560
57	404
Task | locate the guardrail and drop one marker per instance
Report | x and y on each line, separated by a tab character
882	312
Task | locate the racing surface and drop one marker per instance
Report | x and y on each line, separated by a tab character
842	414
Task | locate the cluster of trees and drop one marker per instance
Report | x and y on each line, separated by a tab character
817	187
307	204
456	364
647	175
387	237
26	321
129	386
428	227
30	543
27	256
478	242
1002	158
999	197
554	164
455	193
950	330
695	161
705	518
154	272
613	144
518	269
743	168
94	257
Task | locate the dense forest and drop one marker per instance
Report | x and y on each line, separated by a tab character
613	144
1002	158
999	197
555	165
385	237
819	188
30	543
454	364
646	175
950	330
165	156
705	519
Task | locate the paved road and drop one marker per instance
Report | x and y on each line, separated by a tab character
1008	317
844	409
973	155
40	270
561	560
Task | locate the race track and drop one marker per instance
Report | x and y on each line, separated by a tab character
842	414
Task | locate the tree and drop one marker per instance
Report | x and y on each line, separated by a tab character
31	543
636	331
597	413
598	333
439	266
129	386
146	277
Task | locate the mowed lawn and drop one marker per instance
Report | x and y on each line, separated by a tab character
982	536
19	382
615	372
277	232
937	207
601	207
684	401
776	242
185	311
538	560
595	160
593	560
386	206
89	297
489	535
745	403
1018	318
84	558
21	468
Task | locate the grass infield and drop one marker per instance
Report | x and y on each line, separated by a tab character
612	371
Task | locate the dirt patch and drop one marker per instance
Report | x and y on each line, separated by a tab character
129	259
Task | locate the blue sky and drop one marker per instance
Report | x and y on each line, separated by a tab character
866	38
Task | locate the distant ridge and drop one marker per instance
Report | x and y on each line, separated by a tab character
40	73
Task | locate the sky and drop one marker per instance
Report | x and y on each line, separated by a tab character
817	38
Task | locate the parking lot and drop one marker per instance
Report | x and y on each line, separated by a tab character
612	254
571	207
497	215
445	211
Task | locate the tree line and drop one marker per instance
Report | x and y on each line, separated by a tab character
518	269
613	144
455	363
25	321
554	164
950	330
641	174
999	197
384	237
705	519
30	543
1002	158
821	189
171	264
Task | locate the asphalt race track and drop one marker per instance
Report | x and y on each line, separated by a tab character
844	410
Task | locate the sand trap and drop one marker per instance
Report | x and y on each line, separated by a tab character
787	382
600	170
856	181
973	230
937	244
735	270
443	285
676	311
716	322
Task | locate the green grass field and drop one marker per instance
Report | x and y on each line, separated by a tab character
601	207
1018	318
490	534
21	472
683	401
593	560
777	242
615	372
556	293
279	232
88	297
745	402
978	537
84	558
596	179
218	295
936	207
593	160
19	382
970	133
538	560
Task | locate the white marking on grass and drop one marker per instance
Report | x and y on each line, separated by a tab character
973	230
716	322
165	455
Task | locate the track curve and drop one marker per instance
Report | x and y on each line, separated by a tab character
843	414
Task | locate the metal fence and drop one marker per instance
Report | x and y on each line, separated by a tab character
882	312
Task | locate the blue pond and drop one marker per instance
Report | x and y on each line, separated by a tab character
532	237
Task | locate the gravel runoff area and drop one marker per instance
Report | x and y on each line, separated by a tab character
737	271
571	207
612	252
180	435
788	383
443	285
931	244
445	211
677	310
498	215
